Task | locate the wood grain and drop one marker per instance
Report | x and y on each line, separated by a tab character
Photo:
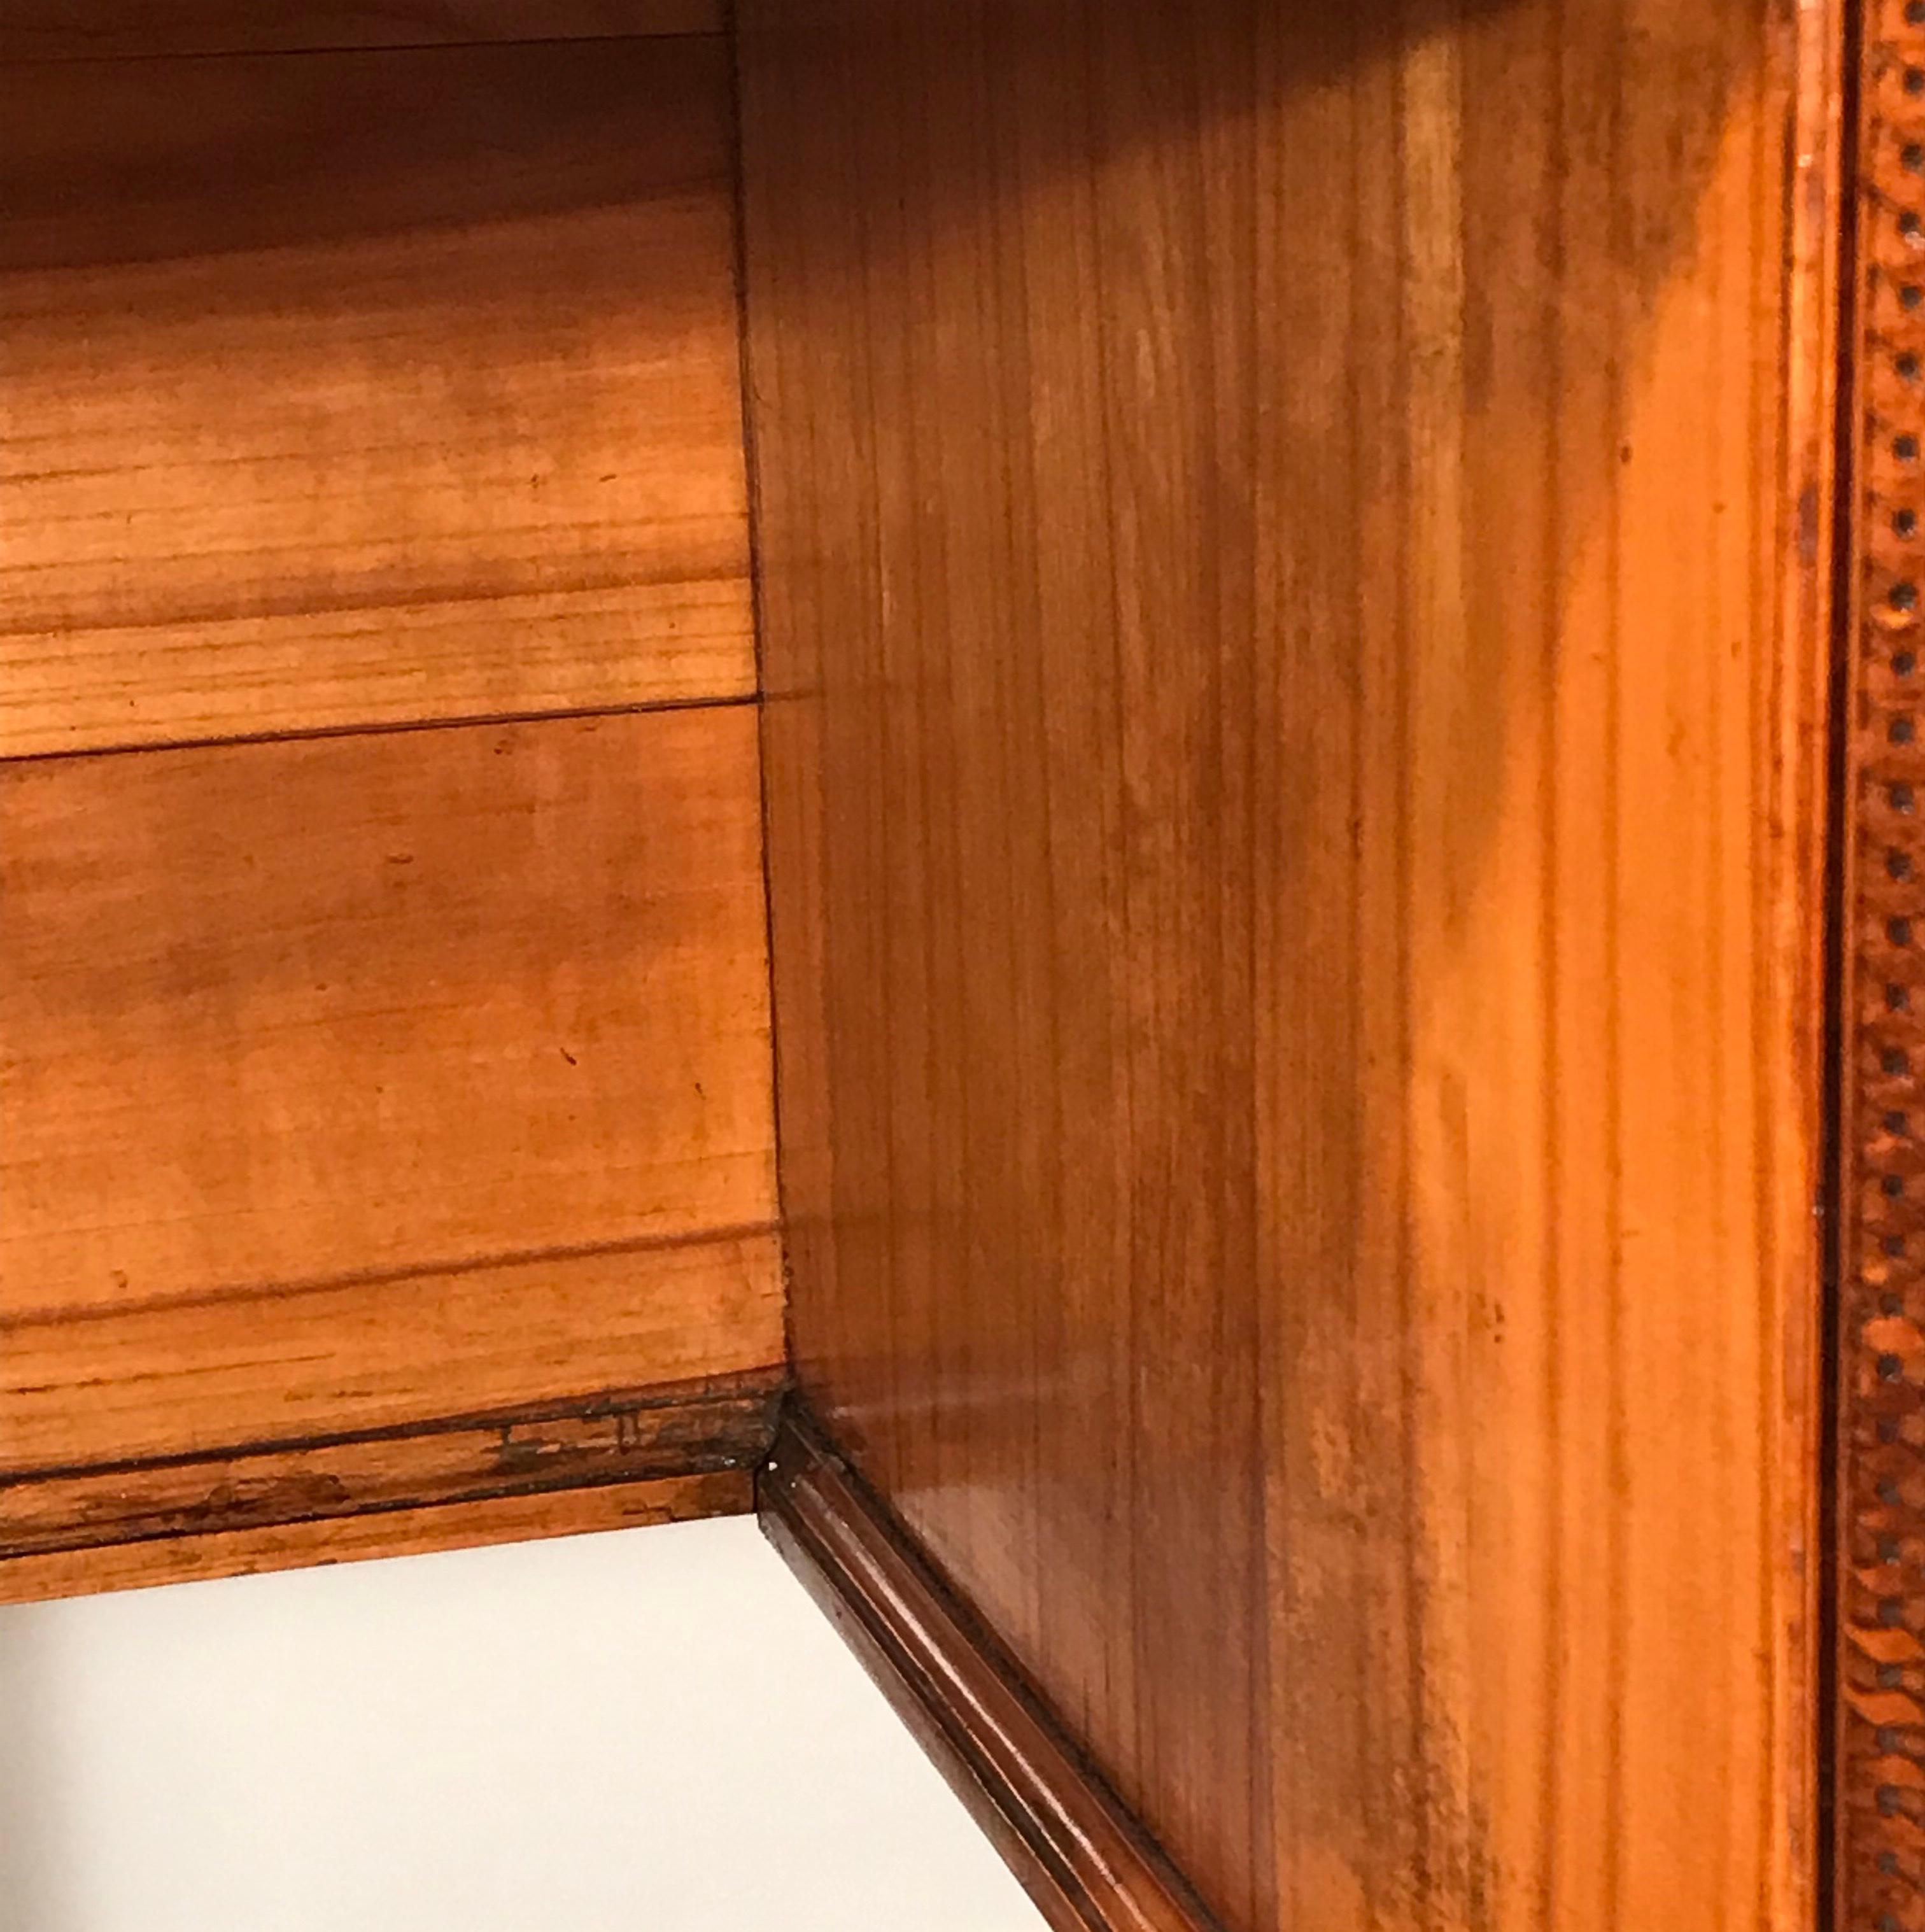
1294	719
97	29
198	1377
1084	1861
367	388
686	1429
407	1532
282	1016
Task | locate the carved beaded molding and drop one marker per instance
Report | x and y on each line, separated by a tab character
1881	1513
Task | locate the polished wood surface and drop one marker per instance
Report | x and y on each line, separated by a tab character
1879	1793
1295	703
366	387
1086	1862
95	29
363	1088
407	1532
687	1429
284	1015
371	1084
201	1378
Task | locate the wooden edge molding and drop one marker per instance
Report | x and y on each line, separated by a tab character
355	1539
1878	1771
1090	1866
688	1429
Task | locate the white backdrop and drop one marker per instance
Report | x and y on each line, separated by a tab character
654	1730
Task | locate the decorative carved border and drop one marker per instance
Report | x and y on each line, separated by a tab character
1880	1824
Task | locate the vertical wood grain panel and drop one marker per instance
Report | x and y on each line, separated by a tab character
1294	724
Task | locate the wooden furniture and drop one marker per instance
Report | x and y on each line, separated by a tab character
1244	670
387	1107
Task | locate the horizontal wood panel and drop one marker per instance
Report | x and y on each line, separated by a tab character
626	1437
188	1378
92	29
281	1015
407	1532
367	388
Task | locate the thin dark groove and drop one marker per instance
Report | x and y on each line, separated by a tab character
482	720
485	1492
1835	1152
10	62
647	1244
935	845
758	619
748	1386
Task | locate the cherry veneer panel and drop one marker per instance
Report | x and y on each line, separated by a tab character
366	387
1294	705
282	1016
91	29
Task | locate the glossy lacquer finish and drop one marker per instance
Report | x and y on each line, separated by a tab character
1292	546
